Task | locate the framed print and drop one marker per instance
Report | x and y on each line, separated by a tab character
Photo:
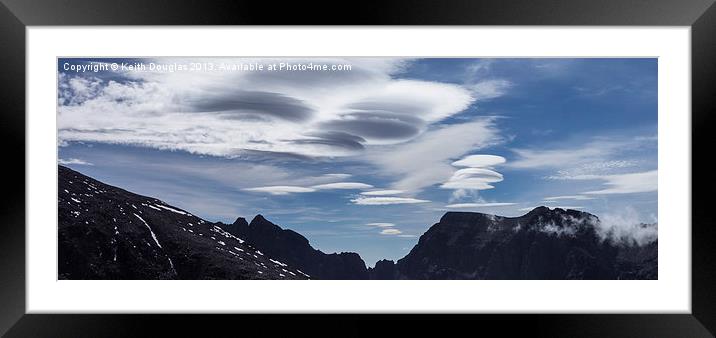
534	173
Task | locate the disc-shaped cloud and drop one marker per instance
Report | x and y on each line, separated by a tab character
342	185
382	225
281	189
390	232
478	205
479	161
473	179
476	176
382	192
386	200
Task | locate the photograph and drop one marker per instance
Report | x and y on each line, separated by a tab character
357	168
487	162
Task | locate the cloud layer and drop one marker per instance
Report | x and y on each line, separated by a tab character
479	205
386	192
628	183
386	200
229	113
342	186
76	161
285	189
280	189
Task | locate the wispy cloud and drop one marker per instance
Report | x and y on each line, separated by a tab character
280	189
386	200
628	183
489	89
426	161
285	189
593	168
478	205
382	225
76	161
342	185
568	197
605	160
382	192
482	84
338	176
574	157
555	158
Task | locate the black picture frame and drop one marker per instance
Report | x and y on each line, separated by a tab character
16	15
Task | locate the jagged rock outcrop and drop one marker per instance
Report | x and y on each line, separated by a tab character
384	269
294	249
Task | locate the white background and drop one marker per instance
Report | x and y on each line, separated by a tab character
670	293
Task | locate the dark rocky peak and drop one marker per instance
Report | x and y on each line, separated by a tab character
235	228
384	269
541	217
260	222
540	210
349	257
542	244
557	213
259	219
265	233
294	249
240	221
464	217
472	221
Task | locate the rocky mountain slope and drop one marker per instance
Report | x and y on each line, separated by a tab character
638	262
108	233
543	244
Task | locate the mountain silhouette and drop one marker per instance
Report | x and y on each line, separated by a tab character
294	249
105	232
543	244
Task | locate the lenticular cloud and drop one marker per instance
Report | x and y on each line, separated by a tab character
479	161
479	174
231	113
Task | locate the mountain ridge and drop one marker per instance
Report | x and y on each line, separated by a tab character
105	232
295	249
544	243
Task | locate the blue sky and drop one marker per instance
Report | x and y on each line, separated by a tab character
369	158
